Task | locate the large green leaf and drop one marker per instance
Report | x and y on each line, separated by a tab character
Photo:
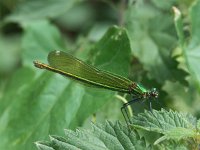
107	54
37	103
110	49
27	103
40	37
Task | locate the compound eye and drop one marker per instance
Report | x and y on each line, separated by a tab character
154	93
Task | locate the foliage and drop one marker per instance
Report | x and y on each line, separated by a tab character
102	136
146	41
181	128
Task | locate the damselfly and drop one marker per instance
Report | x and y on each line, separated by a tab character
69	66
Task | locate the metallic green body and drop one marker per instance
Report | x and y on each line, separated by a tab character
68	65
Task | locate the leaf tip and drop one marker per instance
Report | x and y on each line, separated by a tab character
177	12
38	145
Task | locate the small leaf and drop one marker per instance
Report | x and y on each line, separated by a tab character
176	134
166	122
179	25
174	125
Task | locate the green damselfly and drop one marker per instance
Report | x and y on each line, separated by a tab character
69	66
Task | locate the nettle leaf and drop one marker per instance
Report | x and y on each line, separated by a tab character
176	134
172	124
152	42
44	146
110	136
171	145
30	11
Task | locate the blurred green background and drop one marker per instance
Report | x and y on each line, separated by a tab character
144	40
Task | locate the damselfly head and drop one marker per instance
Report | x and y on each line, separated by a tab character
153	93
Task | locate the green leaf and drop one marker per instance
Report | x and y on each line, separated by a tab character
166	5
172	124
30	11
113	46
103	136
40	37
178	53
43	146
163	121
176	134
106	54
179	26
171	145
191	51
153	41
182	98
43	103
14	87
9	53
78	18
97	31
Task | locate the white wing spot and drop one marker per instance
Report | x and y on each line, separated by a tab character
57	52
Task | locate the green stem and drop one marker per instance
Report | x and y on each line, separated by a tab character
125	101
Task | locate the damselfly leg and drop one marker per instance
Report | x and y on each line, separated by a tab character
125	112
151	110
